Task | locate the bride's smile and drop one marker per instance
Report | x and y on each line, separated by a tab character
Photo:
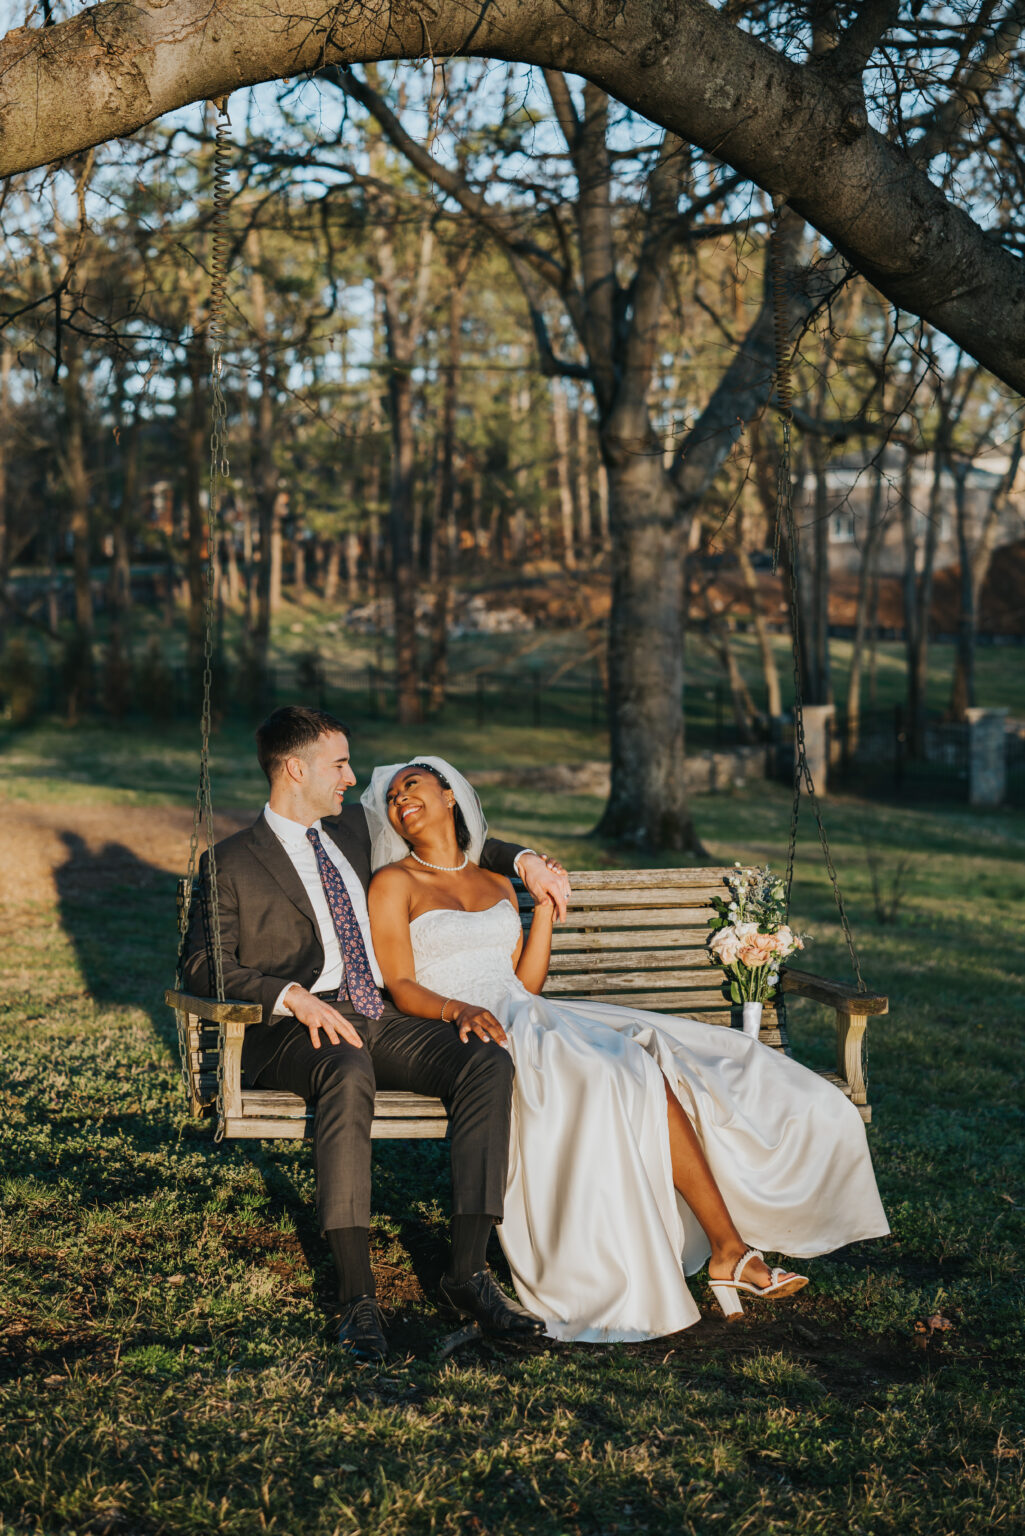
420	809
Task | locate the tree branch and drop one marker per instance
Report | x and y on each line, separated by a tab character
112	68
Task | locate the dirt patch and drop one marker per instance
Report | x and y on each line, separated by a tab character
124	845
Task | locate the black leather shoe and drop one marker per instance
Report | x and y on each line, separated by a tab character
482	1298
362	1330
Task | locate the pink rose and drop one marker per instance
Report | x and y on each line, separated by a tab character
725	945
758	949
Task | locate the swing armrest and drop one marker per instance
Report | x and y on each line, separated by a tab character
834	994
230	1011
853	1009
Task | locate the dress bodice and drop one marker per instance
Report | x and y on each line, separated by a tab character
468	955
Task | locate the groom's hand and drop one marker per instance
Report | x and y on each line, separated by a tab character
546	880
318	1015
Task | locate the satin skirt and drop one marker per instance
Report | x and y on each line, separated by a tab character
598	1240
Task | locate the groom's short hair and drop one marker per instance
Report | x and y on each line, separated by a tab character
290	732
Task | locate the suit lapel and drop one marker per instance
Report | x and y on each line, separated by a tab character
277	863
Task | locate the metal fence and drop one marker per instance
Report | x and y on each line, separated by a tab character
880	756
516	697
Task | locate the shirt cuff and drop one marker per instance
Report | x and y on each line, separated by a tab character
516	860
281	1008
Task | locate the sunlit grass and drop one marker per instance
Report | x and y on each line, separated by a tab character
166	1351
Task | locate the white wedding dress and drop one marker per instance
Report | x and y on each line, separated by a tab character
597	1239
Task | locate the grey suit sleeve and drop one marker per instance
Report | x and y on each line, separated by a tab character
241	982
500	857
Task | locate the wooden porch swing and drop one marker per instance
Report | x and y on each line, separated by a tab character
635	937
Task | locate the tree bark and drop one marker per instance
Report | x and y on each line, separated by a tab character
583	482
445	501
741	701
269	508
917	588
126	517
332	570
866	588
352	566
298	567
195	517
975	561
79	665
560	432
770	671
815	587
647	805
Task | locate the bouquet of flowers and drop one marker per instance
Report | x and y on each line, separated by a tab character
751	936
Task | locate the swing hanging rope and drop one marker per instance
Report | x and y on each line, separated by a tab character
786	531
203	810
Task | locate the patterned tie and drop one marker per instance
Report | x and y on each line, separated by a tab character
359	978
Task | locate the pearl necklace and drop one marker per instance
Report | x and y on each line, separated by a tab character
444	869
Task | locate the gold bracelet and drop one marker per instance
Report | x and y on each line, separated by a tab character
443	1007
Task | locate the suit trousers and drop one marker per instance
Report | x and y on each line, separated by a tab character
420	1056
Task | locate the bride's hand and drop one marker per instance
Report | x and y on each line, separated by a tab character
471	1020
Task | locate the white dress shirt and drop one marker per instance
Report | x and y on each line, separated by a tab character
292	837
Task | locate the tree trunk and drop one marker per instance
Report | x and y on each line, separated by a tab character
560	432
298	568
445	502
403	576
866	586
195	529
279	508
647	806
126	519
815	577
76	476
603	505
352	566
975	563
268	518
740	695
332	570
583	479
477	532
770	671
918	587
234	575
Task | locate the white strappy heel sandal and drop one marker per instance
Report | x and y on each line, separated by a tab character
726	1292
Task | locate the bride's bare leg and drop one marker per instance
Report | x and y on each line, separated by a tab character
693	1178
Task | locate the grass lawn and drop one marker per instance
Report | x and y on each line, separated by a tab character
166	1350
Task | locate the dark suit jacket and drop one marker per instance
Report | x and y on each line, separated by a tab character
269	935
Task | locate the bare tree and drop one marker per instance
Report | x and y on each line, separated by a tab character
798	130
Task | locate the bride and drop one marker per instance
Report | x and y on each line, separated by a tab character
642	1145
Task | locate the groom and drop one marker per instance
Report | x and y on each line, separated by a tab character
295	937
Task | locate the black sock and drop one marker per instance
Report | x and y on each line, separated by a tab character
469	1245
350	1249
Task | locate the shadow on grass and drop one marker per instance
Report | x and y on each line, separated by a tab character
119	912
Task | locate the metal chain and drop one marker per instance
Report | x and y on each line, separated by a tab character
203	809
786	523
